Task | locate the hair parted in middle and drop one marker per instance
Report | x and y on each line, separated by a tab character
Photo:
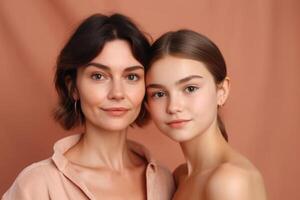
83	46
189	44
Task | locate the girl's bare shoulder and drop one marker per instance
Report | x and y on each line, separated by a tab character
236	179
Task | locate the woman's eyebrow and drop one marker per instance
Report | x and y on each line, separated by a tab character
132	68
98	65
186	79
154	85
106	68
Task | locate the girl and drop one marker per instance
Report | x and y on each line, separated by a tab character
100	82
186	85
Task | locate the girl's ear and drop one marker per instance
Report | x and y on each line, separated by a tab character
223	89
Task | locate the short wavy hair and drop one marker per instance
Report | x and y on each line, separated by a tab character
83	46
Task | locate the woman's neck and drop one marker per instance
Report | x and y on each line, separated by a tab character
206	151
100	148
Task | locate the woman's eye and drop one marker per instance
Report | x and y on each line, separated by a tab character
158	94
133	77
97	76
190	89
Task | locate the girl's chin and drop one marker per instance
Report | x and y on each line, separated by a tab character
179	136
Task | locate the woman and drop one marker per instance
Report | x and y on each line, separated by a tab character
186	84
100	83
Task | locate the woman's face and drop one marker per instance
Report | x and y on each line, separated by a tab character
182	97
111	88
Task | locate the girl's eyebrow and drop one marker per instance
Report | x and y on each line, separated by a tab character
186	79
106	68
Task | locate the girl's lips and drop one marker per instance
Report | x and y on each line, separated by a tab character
178	123
116	111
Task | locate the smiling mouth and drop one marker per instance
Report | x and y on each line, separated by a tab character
116	111
178	123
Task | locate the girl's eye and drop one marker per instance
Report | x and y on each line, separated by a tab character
133	77
159	94
97	76
190	89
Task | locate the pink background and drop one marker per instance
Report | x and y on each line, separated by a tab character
259	39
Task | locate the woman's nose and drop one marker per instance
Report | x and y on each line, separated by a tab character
116	91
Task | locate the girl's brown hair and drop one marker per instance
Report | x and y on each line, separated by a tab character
189	44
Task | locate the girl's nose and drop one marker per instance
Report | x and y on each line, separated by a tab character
174	105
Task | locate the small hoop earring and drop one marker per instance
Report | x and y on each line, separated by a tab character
143	113
75	106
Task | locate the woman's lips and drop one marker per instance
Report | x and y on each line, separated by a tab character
178	123
116	111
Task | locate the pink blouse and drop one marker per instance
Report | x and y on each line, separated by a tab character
55	179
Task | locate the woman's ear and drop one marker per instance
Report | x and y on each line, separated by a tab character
72	88
223	89
146	105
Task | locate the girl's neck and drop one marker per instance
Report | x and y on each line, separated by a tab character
206	151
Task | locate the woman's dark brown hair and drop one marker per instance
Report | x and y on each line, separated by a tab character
192	45
84	45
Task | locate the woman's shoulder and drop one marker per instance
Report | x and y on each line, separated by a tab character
31	178
235	180
36	170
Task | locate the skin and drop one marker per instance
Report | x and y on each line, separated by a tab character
110	90
184	107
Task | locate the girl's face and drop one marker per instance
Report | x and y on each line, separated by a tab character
182	97
111	88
